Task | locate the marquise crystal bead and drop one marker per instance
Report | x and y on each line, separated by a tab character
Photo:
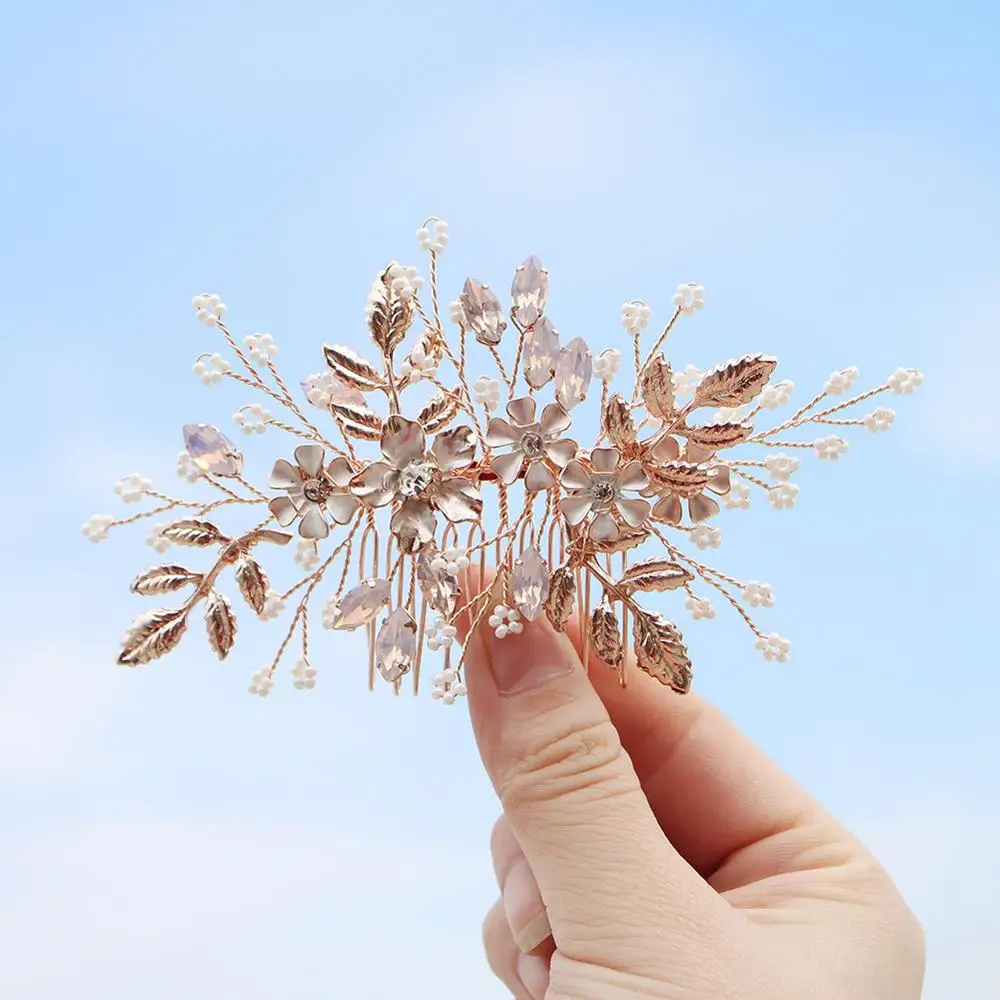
574	370
530	584
212	451
541	348
483	312
359	605
438	586
529	291
396	645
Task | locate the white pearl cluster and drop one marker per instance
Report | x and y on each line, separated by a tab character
505	621
252	419
209	308
132	488
405	281
441	635
830	447
211	369
319	388
457	312
688	380
96	529
307	554
447	687
261	346
689	297
700	607
904	380
738	497
433	238
186	468
157	541
841	382
783	496
273	606
782	466
758	595
486	392
451	561
774	647
880	419
607	364
706	536
418	365
261	683
730	414
303	675
635	316
773	396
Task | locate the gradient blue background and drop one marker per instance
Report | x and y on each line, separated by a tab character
827	171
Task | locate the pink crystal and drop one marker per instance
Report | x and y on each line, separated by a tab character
483	312
396	645
529	291
360	605
530	584
574	370
541	348
211	450
438	586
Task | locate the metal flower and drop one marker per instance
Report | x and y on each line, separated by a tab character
599	488
313	491
682	472
417	477
530	442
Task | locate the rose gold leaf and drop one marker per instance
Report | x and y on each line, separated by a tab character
390	316
580	551
220	622
192	532
439	411
735	382
660	651
152	635
352	369
683	479
359	431
252	581
267	535
605	635
562	594
654	575
717	436
353	414
657	387
619	426
163	579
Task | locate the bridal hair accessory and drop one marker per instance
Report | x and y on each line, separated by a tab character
385	500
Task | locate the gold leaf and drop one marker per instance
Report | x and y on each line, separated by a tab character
562	594
152	635
656	575
220	623
735	382
581	548
390	315
267	535
619	426
605	636
657	387
192	532
352	413
163	579
660	651
352	369
717	436
683	479
439	411
252	581
360	431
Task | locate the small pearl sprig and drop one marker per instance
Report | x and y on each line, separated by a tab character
830	448
758	595
706	536
447	687
738	497
303	675
782	466
451	561
486	392
842	381
186	468
607	364
211	368
730	414
433	237
261	683
635	316
880	419
441	635
783	496
904	380
689	297
157	541
273	606
307	554
686	381
209	308
700	607
405	280
252	419
776	395
132	488
505	621
774	647
418	365
96	528
262	347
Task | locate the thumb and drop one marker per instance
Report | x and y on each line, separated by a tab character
575	805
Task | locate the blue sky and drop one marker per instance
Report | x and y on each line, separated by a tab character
828	173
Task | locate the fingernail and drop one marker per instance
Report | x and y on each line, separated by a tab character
524	909
528	660
534	974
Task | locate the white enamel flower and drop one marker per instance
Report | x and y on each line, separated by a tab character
209	308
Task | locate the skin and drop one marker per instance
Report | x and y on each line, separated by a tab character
647	849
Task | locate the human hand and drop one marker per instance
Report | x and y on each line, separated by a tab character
667	856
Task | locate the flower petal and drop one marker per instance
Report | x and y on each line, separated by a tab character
701	507
310	459
403	441
284	476
284	510
575	476
721	481
603	528
454	448
340	471
313	524
521	411
668	509
667	449
633	477
538	477
634	512
555	420
696	453
458	500
561	452
508	466
370	485
500	433
575	509
605	459
341	507
413	524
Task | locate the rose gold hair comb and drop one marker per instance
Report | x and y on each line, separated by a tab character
389	533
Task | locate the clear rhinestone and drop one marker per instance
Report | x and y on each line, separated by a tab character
483	312
211	450
360	605
574	370
530	584
439	587
541	348
529	291
396	645
415	479
603	492
531	444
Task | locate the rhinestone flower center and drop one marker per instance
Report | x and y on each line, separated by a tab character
603	492
314	490
531	444
415	479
